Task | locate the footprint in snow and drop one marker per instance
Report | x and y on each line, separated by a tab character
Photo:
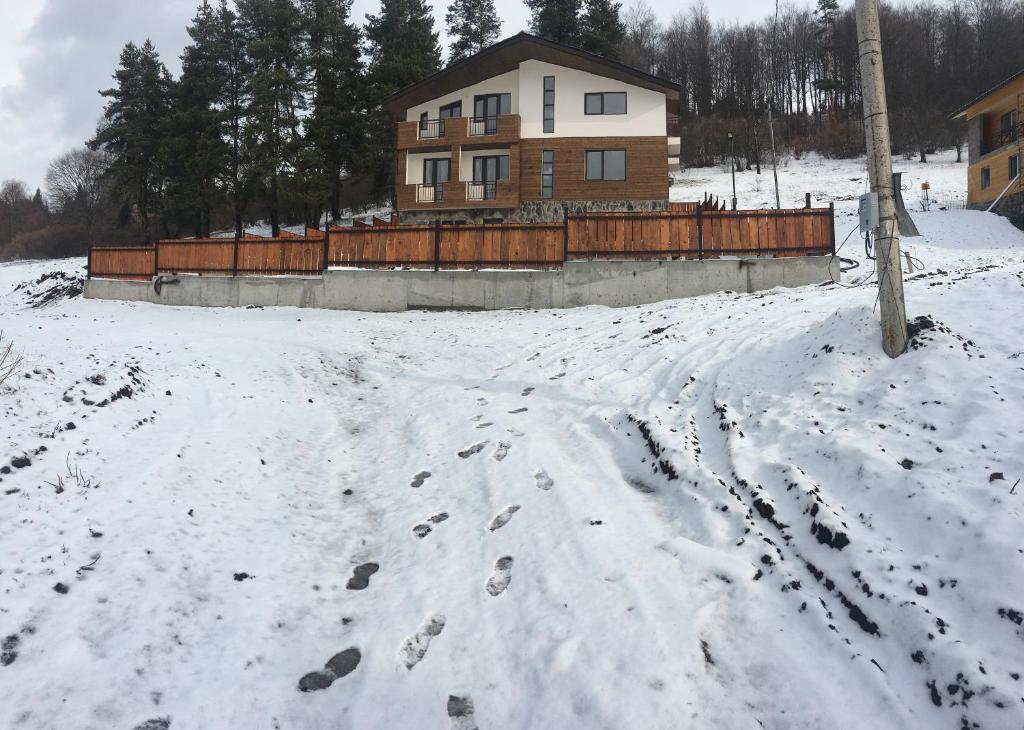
527	391
543	480
485	424
339	665
519	410
501	519
501	576
474	449
417	481
9	649
414	648
423	529
460	710
502	451
361	576
514	432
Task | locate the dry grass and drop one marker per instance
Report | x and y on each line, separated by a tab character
10	360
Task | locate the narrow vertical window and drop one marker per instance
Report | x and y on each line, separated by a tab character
1014	166
986	177
549	104
547	174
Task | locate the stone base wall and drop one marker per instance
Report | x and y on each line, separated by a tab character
577	283
536	211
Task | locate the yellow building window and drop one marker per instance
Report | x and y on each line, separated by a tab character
986	177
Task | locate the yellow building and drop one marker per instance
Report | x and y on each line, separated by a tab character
995	142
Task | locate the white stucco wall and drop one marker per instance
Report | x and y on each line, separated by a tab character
645	115
506	83
414	165
645	109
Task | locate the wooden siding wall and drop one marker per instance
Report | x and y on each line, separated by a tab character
998	164
646	168
649	235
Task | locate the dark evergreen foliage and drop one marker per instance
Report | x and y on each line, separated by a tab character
473	25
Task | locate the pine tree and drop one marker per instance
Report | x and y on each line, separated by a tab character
336	124
403	49
403	46
556	20
274	45
473	25
602	29
232	103
132	130
196	141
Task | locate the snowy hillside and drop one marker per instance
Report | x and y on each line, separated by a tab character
730	511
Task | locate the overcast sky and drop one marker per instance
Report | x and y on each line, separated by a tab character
56	54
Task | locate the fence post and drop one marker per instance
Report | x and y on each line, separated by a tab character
807	200
565	233
156	259
234	257
700	233
832	225
437	245
88	264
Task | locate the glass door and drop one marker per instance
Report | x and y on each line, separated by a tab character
487	107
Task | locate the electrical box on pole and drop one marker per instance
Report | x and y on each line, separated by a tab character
868	211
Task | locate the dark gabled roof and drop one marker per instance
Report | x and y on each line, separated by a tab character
960	112
506	56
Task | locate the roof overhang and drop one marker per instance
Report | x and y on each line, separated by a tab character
977	105
506	56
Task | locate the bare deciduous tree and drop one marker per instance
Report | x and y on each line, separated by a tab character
75	185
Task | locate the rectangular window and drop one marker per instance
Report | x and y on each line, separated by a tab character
1014	166
549	104
451	110
491	105
490	168
608	102
423	120
606	164
986	177
1008	122
547	174
436	171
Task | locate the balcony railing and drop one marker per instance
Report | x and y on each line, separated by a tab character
431	129
487	190
430	193
482	126
1002	138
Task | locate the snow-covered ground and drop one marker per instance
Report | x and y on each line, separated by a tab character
730	511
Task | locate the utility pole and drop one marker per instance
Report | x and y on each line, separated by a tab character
775	166
732	159
879	148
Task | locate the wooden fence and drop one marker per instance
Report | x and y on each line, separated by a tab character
676	233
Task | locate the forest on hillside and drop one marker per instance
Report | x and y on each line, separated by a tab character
276	114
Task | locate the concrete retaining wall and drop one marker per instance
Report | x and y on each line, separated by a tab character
579	283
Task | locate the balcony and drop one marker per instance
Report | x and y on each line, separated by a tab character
1002	138
479	191
430	193
458	195
438	134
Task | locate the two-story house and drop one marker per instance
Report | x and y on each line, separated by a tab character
994	147
526	127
